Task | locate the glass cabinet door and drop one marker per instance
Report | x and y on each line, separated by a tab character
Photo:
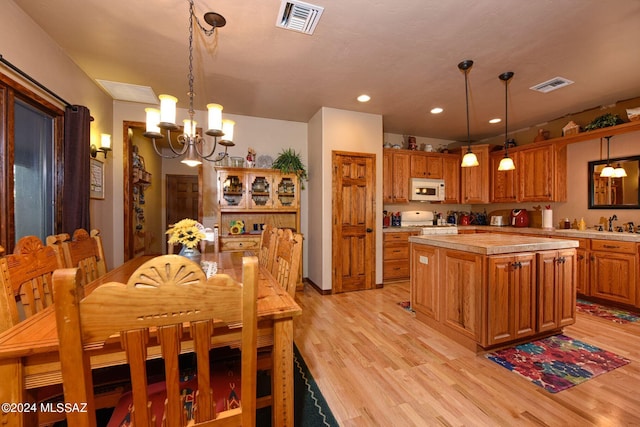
286	191
260	191
232	189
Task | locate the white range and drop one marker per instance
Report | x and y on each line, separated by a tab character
424	220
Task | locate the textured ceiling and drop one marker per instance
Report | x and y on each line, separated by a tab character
404	54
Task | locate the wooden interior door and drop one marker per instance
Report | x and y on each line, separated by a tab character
353	243
182	198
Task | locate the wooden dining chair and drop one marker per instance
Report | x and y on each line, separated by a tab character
25	277
267	250
85	251
287	259
166	297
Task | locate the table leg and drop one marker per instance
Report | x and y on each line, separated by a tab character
12	391
282	378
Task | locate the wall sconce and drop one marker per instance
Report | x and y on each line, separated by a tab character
105	146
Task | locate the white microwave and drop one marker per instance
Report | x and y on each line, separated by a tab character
427	190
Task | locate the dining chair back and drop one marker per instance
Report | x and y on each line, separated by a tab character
25	277
164	298
287	259
85	251
267	252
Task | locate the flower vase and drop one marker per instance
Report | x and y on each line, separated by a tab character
192	253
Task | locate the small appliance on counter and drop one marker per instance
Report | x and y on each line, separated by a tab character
497	220
519	218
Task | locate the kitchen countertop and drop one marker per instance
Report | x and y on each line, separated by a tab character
493	244
586	234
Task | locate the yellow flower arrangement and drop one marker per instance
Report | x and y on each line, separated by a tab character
187	232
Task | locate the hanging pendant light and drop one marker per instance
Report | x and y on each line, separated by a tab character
608	171
190	144
506	164
619	172
469	159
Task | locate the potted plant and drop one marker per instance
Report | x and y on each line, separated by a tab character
603	121
288	161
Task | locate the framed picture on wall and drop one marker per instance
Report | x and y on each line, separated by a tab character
97	179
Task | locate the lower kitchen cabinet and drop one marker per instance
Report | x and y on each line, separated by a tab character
511	297
556	289
395	265
424	285
613	270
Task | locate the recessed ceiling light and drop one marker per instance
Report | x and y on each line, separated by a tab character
364	98
494	121
436	110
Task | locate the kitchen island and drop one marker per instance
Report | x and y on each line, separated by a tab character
490	290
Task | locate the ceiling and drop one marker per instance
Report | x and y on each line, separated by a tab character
404	54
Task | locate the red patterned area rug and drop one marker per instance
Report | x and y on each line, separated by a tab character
557	363
614	314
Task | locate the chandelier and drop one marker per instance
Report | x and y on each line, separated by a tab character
190	144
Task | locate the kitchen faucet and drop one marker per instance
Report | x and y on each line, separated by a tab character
611	219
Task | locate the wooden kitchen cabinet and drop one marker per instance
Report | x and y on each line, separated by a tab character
542	173
556	289
582	265
395	264
426	166
511	298
395	172
424	285
614	266
474	181
504	184
451	176
461	282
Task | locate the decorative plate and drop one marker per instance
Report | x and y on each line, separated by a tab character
264	162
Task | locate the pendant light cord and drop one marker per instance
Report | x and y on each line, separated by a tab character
466	96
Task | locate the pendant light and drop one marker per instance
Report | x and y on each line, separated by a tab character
506	164
608	171
618	172
469	158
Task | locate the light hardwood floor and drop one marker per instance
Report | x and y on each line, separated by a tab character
376	365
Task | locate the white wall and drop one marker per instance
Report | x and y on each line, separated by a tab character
341	130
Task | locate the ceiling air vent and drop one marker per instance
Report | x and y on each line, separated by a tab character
553	84
299	16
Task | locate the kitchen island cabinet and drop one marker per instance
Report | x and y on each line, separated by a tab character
495	290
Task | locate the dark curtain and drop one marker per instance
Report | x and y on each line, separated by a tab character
75	190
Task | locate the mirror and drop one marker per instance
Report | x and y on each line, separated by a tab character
615	193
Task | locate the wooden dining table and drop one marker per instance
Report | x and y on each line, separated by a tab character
29	351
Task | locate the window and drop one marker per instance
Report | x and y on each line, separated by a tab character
31	166
33	186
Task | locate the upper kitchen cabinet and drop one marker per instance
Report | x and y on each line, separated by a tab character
395	172
474	181
426	166
451	175
540	174
504	184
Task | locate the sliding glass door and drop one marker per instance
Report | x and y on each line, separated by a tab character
33	171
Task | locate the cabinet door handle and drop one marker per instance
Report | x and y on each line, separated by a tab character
517	264
561	260
593	257
611	246
369	230
580	257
